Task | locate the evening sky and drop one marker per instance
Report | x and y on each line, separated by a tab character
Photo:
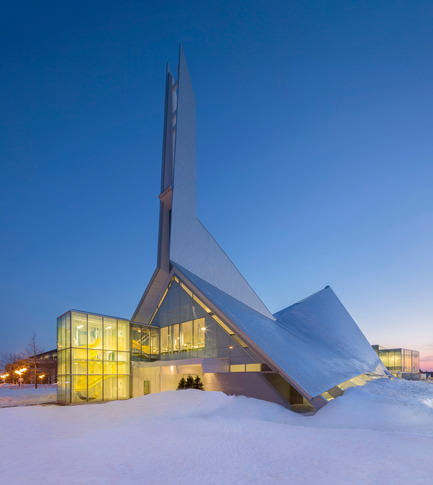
314	165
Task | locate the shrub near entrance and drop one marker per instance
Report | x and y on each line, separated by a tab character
190	383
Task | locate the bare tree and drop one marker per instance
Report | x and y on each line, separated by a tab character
11	357
7	358
33	350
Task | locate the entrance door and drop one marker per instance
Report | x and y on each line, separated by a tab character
146	387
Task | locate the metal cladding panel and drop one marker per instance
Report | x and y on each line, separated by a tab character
194	248
151	296
316	342
184	182
191	245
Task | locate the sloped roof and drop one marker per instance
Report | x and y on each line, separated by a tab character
315	342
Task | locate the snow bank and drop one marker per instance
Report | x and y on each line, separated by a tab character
12	395
385	405
382	432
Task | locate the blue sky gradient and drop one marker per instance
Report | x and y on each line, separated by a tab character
314	167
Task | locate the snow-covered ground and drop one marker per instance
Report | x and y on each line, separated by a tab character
379	433
12	395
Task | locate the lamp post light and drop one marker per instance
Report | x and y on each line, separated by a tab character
20	378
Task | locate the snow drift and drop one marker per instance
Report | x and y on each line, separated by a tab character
382	432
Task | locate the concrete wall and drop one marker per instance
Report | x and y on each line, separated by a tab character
250	384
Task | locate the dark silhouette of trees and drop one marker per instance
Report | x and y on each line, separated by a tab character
191	383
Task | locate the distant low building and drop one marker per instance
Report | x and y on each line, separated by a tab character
46	368
399	361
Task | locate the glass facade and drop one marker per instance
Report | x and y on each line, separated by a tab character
93	358
95	351
398	360
144	342
188	329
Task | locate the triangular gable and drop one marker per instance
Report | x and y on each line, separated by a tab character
179	306
153	293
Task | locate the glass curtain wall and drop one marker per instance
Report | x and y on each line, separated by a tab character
144	342
95	351
189	329
398	360
392	359
93	358
415	361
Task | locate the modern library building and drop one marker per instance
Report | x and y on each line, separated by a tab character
398	361
198	315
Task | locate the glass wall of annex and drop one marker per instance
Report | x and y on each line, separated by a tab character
93	358
398	360
392	359
415	361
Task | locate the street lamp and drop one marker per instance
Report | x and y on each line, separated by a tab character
20	378
20	373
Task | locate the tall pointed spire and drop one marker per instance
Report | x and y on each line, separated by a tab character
185	151
183	240
191	245
165	196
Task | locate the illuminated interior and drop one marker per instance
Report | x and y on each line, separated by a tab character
189	329
95	351
144	342
93	358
